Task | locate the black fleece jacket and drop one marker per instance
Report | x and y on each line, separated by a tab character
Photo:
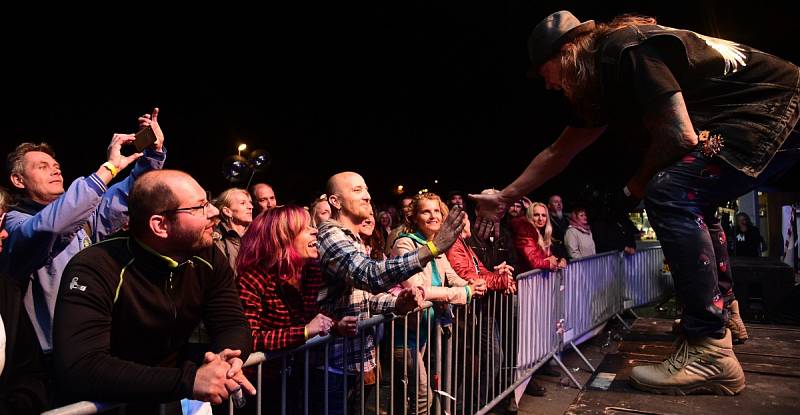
23	380
124	316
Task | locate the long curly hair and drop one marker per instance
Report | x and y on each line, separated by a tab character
409	226
579	72
376	241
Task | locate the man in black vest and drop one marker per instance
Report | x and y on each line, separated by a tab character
706	117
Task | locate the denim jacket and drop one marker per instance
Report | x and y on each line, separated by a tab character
747	96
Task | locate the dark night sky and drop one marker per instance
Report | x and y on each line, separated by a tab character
401	93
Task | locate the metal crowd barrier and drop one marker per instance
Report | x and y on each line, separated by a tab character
592	295
644	280
592	290
475	356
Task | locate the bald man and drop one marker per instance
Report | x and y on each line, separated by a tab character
349	198
264	197
127	306
355	285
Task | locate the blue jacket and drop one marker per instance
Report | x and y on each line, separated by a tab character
42	239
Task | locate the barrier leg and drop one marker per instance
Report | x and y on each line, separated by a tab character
566	370
259	394
622	320
585	360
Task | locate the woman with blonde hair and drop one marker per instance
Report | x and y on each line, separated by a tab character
439	283
533	239
235	213
320	210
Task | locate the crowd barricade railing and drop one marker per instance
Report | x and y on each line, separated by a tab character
645	280
592	296
474	356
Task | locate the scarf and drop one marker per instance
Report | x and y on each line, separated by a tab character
573	221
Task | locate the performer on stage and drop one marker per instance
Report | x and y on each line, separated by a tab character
708	120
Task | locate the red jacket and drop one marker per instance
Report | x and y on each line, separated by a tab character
526	240
467	265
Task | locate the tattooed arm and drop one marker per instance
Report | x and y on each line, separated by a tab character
672	136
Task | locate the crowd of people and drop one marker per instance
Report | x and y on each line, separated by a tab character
148	292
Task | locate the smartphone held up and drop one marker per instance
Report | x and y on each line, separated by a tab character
144	138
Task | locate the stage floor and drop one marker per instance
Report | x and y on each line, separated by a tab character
770	358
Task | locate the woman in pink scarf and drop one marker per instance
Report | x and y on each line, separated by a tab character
578	237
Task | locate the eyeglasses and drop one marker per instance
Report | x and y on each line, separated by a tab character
191	210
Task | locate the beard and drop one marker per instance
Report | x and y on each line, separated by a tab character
357	212
190	242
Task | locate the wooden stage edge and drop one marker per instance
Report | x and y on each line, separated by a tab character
770	358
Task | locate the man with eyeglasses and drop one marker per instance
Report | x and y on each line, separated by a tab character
48	226
128	305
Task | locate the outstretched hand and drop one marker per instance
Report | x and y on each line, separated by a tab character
491	208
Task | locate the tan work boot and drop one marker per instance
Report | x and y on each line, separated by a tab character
735	324
704	366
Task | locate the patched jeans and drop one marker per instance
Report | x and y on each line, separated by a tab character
681	202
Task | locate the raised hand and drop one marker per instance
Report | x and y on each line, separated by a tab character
115	156
152	120
451	229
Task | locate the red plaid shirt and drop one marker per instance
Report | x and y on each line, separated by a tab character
276	311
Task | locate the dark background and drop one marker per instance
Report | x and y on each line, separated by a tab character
403	93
